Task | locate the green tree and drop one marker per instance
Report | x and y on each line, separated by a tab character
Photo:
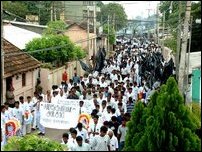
16	7
171	18
113	9
111	35
68	51
55	27
33	143
166	124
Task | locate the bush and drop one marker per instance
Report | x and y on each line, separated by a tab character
166	124
61	55
33	143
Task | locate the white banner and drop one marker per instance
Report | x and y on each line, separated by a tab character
63	115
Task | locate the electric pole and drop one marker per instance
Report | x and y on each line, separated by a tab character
157	23
163	47
88	39
52	11
178	41
181	81
108	33
95	39
2	55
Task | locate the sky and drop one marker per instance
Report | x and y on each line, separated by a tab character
137	8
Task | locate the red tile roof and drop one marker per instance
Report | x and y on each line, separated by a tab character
16	61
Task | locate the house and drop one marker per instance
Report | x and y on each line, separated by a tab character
17	36
20	71
78	34
195	72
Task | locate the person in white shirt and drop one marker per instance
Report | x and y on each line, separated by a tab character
23	105
81	146
48	96
34	101
102	141
82	132
38	115
72	141
65	138
81	109
114	145
94	128
106	116
4	119
103	84
18	113
27	122
9	110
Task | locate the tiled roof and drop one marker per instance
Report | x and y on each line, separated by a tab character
16	61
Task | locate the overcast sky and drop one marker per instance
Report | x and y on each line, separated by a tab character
137	8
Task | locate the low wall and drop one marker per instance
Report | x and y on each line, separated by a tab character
54	77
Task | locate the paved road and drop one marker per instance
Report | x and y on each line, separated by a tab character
54	134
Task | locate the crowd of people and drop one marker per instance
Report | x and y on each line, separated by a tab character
113	92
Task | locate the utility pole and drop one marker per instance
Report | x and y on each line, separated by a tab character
163	47
55	12
2	55
108	33
178	41
188	58
157	23
95	47
181	81
52	11
88	39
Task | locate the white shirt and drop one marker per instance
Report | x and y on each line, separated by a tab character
83	133
114	143
100	143
18	113
84	147
103	84
92	128
106	116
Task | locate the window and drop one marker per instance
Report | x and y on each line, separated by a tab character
23	79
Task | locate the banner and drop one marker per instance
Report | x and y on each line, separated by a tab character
63	115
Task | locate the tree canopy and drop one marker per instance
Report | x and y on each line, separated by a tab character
165	124
171	18
67	50
55	27
113	10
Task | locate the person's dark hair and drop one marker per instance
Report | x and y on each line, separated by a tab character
74	132
81	101
113	110
114	118
104	102
96	116
40	97
2	107
120	104
28	97
21	98
65	135
109	107
79	125
17	102
71	129
6	103
105	123
103	129
79	138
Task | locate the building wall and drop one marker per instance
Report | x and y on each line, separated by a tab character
54	77
76	34
27	90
